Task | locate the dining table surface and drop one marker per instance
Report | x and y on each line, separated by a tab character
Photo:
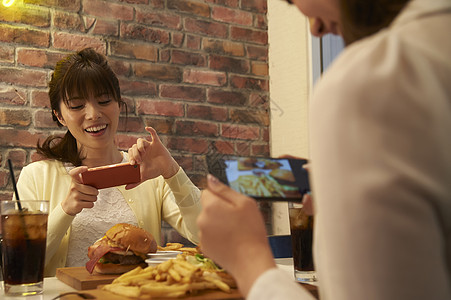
53	287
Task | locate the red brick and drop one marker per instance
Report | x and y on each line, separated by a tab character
177	39
192	145
157	72
66	20
193	42
34	156
206	27
196	128
7	54
265	135
158	19
144	33
137	88
130	105
226	97
260	150
191	7
165	55
158	107
204	112
259	100
162	126
19	138
5	195
39	58
240	132
120	67
241	82
186	162
259	68
4	178
229	64
223	47
106	27
43	119
24	35
31	16
188	58
40	99
130	124
70	5
224	147
10	95
243	148
157	3
229	3
23	77
257	52
108	9
261	22
136	1
186	93
75	42
259	6
124	142
227	15
247	116
204	77
18	157
249	35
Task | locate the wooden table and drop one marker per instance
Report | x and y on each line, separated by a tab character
54	287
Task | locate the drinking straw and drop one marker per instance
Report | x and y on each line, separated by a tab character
13	179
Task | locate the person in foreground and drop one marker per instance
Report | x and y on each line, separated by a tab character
380	164
85	97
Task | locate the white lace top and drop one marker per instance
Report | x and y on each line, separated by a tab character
91	224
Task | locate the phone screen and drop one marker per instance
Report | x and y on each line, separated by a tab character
273	179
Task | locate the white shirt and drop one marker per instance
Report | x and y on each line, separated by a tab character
381	166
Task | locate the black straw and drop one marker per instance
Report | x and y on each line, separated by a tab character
13	179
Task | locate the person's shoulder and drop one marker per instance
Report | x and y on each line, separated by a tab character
44	165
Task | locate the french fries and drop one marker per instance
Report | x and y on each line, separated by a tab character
171	279
263	186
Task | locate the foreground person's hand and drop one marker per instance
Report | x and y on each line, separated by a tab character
80	195
154	158
233	234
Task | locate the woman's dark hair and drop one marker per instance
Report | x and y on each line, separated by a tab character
80	74
361	18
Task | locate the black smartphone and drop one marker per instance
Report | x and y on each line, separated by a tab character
111	175
274	179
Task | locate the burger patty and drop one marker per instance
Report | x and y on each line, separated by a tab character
123	259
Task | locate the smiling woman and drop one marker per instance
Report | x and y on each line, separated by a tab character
80	83
85	98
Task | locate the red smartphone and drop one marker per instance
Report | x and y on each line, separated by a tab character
111	175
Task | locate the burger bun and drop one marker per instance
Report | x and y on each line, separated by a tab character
132	238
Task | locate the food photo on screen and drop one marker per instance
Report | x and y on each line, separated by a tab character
262	177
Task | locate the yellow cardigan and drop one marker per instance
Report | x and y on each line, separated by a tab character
175	200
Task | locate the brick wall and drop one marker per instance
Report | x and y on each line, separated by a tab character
197	71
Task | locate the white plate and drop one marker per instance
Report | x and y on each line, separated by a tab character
158	254
156	261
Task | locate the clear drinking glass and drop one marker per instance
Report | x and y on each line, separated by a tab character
24	234
301	227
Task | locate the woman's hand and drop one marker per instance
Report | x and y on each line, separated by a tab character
80	196
153	157
233	234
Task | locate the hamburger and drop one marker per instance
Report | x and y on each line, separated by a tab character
122	249
287	182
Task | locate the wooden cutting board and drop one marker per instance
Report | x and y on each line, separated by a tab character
101	295
80	279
